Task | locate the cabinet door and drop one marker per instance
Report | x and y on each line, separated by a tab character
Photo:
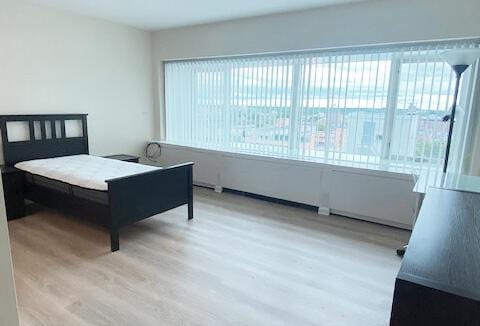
381	198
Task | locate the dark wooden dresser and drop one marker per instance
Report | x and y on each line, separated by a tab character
439	279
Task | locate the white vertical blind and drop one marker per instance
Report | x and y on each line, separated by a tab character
373	107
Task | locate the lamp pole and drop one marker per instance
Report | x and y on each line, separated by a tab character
459	70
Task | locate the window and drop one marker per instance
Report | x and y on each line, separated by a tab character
372	106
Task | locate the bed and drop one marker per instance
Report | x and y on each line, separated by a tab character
131	193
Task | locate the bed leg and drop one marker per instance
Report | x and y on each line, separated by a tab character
114	240
190	209
190	192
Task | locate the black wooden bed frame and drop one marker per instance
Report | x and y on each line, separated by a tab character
130	199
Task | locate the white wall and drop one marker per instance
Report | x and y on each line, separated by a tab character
384	197
368	22
56	62
8	301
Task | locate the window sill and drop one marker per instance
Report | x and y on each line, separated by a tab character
382	169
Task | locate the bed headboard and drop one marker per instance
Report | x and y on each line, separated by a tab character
46	137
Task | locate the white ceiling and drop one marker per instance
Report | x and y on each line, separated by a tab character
161	14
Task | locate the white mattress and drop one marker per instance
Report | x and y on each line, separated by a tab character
85	171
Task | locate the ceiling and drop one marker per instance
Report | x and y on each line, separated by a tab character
162	14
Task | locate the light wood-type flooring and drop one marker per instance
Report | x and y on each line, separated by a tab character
241	261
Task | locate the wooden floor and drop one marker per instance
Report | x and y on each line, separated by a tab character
241	261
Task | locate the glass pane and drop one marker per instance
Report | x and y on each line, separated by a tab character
344	101
260	106
425	93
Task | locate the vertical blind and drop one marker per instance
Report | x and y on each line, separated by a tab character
371	106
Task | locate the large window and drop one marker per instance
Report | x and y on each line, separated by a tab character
368	106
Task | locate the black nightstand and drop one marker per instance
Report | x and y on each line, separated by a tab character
13	188
124	157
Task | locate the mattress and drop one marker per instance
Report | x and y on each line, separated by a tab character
86	171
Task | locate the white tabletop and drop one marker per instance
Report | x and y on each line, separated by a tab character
449	181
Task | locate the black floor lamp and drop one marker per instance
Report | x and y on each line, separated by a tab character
459	60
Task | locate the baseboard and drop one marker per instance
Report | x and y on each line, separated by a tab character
321	210
372	220
203	185
271	199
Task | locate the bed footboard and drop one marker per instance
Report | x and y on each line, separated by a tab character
139	196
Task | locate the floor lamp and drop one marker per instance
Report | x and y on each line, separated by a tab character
459	60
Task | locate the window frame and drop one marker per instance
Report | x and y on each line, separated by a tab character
295	107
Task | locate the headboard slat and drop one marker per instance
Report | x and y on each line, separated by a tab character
53	127
3	130
62	128
17	151
43	131
31	130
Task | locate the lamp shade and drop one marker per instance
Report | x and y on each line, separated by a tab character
464	57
